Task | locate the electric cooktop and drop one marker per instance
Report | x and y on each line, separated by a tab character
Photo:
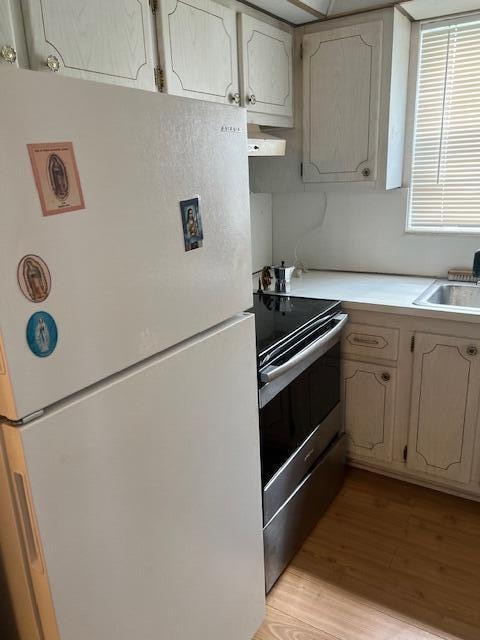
277	317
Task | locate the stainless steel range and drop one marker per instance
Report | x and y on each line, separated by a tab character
301	443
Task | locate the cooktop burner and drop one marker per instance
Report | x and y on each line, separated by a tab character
277	317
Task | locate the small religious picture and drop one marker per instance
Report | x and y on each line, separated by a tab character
56	177
42	334
192	223
34	278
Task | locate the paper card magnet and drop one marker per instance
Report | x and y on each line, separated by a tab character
56	177
34	278
42	334
192	223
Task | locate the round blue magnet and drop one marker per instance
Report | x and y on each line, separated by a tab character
42	334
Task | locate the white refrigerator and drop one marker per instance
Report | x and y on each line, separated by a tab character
130	499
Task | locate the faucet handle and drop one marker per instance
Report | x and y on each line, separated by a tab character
476	264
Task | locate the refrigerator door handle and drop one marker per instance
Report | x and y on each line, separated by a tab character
318	346
25	510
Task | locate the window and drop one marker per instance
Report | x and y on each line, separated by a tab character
445	178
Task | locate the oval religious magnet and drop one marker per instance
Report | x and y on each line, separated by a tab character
42	334
34	278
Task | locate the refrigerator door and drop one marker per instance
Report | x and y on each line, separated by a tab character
123	287
143	498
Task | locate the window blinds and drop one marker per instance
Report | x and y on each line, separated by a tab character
445	181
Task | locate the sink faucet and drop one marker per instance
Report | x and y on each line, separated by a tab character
476	266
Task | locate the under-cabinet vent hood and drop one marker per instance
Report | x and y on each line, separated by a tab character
263	144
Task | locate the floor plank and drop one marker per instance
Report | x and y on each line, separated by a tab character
388	561
282	627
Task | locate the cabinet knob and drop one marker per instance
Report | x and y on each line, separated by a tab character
8	53
53	63
235	98
472	350
366	172
252	99
385	376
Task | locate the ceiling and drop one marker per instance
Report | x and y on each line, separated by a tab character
423	9
302	11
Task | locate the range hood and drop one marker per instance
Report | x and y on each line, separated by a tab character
263	144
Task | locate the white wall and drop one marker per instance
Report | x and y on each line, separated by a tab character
362	232
261	222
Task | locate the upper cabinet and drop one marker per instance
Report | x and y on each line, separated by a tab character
198	50
108	42
266	69
342	78
355	73
199	58
204	47
12	40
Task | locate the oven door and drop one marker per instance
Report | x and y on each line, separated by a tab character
298	424
287	367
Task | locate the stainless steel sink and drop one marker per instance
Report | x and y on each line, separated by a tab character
446	294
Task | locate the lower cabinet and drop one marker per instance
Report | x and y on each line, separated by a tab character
444	406
417	415
369	403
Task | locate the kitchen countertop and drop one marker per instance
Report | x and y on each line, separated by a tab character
373	292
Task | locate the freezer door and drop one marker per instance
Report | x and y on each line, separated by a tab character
123	287
146	495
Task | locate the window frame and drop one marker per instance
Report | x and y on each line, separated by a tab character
412	89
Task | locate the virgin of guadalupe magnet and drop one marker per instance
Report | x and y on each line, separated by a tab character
56	177
192	223
34	278
42	334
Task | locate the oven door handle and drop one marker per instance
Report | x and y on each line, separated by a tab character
317	346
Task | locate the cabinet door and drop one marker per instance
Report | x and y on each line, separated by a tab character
104	41
445	394
12	37
198	50
368	400
341	90
267	71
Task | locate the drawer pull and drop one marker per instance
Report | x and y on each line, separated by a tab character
386	377
472	350
368	341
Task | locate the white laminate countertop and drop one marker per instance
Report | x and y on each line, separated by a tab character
373	292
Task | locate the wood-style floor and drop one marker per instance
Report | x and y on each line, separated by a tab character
388	561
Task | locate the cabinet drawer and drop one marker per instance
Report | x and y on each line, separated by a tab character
299	514
369	340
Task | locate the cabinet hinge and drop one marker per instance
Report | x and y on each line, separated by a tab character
405	453
412	344
301	51
153	5
159	78
301	169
